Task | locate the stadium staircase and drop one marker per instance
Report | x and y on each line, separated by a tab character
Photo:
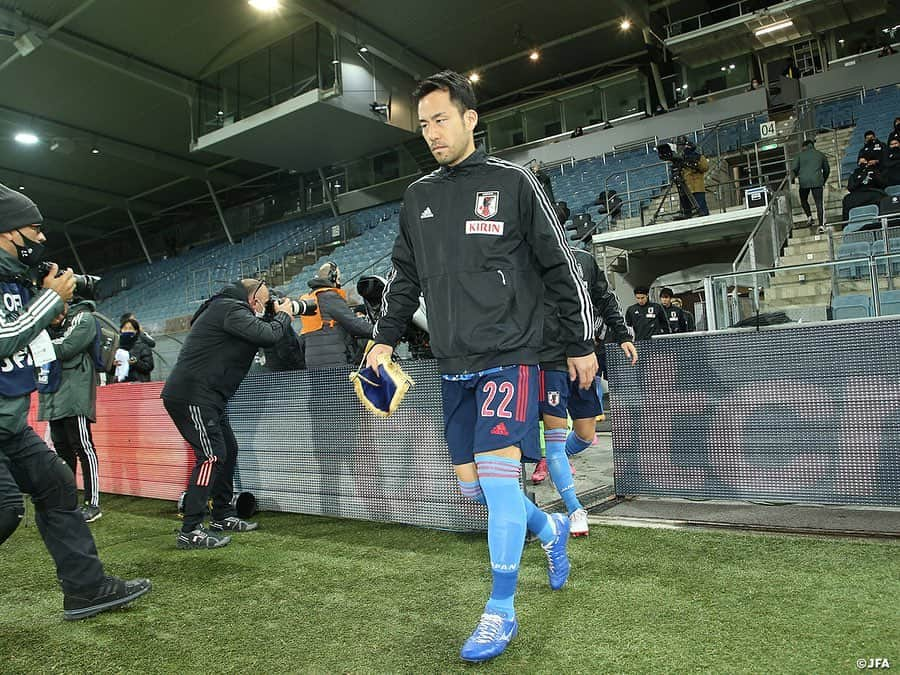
809	294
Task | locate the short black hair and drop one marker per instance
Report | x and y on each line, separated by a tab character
869	133
808	143
666	293
127	316
641	290
458	86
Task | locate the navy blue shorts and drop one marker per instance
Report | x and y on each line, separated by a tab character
493	409
561	397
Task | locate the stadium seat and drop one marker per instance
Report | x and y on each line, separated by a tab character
890	302
860	217
892	190
851	306
853	270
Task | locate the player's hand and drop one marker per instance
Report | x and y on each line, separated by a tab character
64	284
284	305
583	369
630	351
376	352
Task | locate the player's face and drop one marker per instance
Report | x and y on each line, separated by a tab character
447	131
641	298
666	301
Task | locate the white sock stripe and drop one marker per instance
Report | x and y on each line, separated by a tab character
204	435
587	311
91	455
30	317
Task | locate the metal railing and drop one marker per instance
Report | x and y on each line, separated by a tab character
712	17
724	293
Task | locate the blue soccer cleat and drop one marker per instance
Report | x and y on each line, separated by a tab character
490	638
557	559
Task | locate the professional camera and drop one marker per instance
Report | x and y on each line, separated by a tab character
680	155
298	307
85	284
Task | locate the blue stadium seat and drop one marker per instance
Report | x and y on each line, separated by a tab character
853	270
890	302
851	306
892	190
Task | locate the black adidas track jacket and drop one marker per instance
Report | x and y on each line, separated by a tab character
480	241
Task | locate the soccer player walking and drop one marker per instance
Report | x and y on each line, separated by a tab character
479	238
562	398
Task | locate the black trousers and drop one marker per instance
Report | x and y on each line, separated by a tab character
817	198
72	440
28	465
215	449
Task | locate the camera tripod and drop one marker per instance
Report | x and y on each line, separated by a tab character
685	197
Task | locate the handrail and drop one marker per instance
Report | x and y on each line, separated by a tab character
759	224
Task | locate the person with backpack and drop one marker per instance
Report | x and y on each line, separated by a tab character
140	356
67	396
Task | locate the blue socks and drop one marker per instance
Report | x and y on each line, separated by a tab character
575	444
539	522
472	490
499	480
558	465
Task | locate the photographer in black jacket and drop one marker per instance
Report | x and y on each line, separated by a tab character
226	332
326	333
26	463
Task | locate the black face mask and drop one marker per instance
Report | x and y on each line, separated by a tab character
127	339
30	253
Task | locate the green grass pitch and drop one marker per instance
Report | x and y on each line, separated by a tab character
308	594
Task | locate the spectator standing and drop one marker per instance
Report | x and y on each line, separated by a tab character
140	356
811	169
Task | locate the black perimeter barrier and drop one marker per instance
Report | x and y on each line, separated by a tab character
796	414
308	446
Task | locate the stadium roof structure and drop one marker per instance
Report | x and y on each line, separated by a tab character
108	86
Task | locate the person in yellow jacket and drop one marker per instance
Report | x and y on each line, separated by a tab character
693	170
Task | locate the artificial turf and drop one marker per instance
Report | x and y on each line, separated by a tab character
317	594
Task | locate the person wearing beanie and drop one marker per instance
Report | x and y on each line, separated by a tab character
27	465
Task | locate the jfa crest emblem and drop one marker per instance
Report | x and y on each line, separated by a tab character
553	398
486	203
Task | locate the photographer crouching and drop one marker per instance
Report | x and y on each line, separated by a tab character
226	332
31	301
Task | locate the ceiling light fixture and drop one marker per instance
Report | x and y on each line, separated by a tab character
334	62
731	66
363	49
841	41
265	5
625	25
534	55
772	27
22	188
26	138
95	150
474	77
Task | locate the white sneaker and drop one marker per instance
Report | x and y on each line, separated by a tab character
578	523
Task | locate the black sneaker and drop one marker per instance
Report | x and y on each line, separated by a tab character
200	538
232	524
113	592
91	513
